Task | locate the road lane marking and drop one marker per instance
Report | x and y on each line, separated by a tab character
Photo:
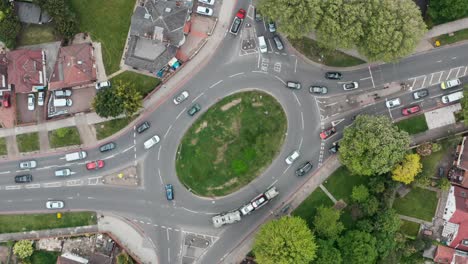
181	112
448	75
33	186
52	184
363	79
4	172
295	65
168	255
167	132
197	97
372	78
167	234
74	182
437	95
127	149
300	143
271	185
213	85
302	120
160	178
280	80
159	151
234	75
286	169
260	72
297	99
12	187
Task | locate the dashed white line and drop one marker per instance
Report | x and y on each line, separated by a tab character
280	80
272	184
12	187
52	184
167	132
437	95
300	143
168	255
260	72
159	151
286	169
372	78
295	65
167	234
181	112
4	172
234	75
453	58
213	85
197	97
297	99
363	79
160	178
33	186
302	120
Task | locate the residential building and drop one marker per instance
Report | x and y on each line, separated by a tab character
26	70
458	174
448	255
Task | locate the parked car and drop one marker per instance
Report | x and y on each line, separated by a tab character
304	169
63	93
151	142
29	164
143	127
271	27
393	103
292	157
318	89
334	148
420	94
169	192
95	165
54	204
257	15
333	75
328	133
107	147
207	2
194	109
350	86
278	43
181	97
450	84
293	85
6	100
23	178
61	102
31	102
40	98
410	110
63	173
100	85
204	11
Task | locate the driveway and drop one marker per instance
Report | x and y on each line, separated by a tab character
25	116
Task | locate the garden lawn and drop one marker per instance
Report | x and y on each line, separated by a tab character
231	144
340	184
66	136
410	229
457	36
419	203
32	34
308	208
3	146
431	162
145	84
12	223
28	142
413	125
335	58
108	128
44	257
107	22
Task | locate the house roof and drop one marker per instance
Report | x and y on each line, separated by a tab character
462	161
26	69
3	72
75	66
443	254
461	205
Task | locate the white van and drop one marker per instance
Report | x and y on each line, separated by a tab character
449	98
62	173
76	156
62	102
262	44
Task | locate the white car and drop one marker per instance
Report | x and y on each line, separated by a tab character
208	2
63	93
291	158
100	85
54	204
30	164
31	102
204	11
181	97
393	103
350	86
151	142
40	98
450	84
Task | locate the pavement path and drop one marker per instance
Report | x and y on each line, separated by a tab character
328	193
415	220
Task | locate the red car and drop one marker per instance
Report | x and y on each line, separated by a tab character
6	100
95	165
241	13
410	110
327	133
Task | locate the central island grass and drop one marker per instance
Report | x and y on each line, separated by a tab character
231	144
28	222
419	203
28	142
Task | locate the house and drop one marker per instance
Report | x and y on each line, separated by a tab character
448	255
455	230
4	74
26	70
75	66
458	174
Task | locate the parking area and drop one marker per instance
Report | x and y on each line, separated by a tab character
200	27
81	101
8	114
23	114
436	78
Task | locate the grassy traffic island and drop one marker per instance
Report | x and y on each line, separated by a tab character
231	144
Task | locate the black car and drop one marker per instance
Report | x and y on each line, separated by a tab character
333	75
304	169
143	127
420	94
235	25
23	178
318	89
107	147
194	109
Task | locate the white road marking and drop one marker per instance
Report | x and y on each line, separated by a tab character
286	169
295	65
127	149
440	77
234	75
300	143
33	186
167	132
424	82
430	81
439	61
437	95
302	120
167	234
159	151
280	80
466	68
336	122
453	58
362	79
168	255
52	184
372	78
260	72
70	198
197	97
4	172
74	183
12	187
181	112
297	99
272	184
258	63
458	72
448	75
331	104
109	157
160	178
91	198
213	85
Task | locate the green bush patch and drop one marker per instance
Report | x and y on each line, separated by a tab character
108	128
29	222
28	142
32	34
413	125
419	203
231	144
3	146
453	37
411	229
145	84
66	136
44	257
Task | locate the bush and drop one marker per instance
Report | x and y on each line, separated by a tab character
425	149
436	147
9	25
64	19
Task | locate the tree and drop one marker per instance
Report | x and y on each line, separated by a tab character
442	11
107	104
464	103
10	25
327	223
124	258
295	17
444	184
425	149
376	185
327	253
130	96
360	193
64	19
436	147
370	206
23	249
408	169
392	31
283	241
388	222
358	247
373	145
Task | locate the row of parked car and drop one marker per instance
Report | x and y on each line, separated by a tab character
321	89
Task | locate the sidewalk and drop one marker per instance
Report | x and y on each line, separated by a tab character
438	133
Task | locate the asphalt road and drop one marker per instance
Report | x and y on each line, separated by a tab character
230	70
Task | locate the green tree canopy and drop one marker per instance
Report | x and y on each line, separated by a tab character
10	25
131	97
121	98
408	169
327	253
373	145
284	241
327	223
23	249
360	193
388	221
358	247
442	11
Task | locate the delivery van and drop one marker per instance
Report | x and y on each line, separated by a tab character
262	44
76	156
453	97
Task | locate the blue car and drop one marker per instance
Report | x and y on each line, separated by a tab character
169	192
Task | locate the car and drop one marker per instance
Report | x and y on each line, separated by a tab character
420	94
28	164
304	169
6	100
31	102
107	147
350	86
207	2
23	178
392	103
318	89
450	84
258	16
334	148
151	142
63	173
95	165
142	127
181	97
169	192
63	93
278	43
292	157
204	11
328	133
293	85
54	205
235	25
333	75
100	85
410	110
241	13
271	27
194	109
40	98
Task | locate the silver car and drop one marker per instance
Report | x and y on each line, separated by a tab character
181	97
28	164
54	204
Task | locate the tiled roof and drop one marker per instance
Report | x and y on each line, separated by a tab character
444	254
26	69
462	161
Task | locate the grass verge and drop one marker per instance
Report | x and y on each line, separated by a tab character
308	208
231	144
107	22
29	222
411	229
66	136
413	125
32	34
28	142
145	84
340	184
456	36
3	147
108	128
44	257
419	203
335	58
